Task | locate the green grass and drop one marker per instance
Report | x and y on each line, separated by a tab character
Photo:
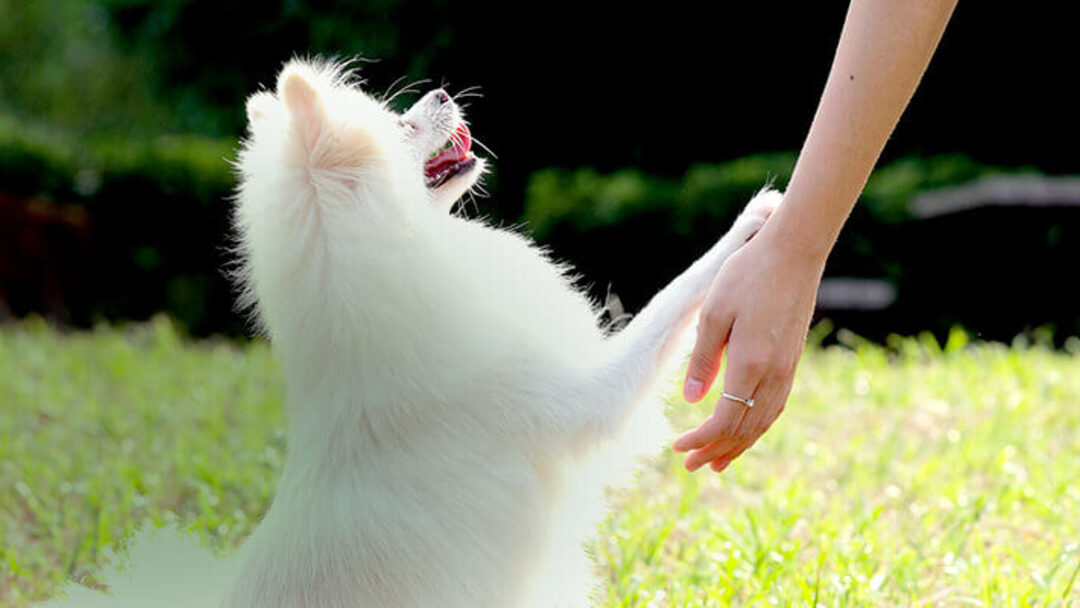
905	475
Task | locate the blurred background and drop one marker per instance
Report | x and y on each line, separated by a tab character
627	139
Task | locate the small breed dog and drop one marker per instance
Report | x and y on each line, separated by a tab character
456	409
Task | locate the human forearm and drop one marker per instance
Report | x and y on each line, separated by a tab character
883	52
759	307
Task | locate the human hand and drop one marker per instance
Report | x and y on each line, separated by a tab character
758	309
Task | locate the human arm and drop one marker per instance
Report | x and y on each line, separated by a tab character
759	306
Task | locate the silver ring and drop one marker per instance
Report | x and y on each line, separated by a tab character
747	402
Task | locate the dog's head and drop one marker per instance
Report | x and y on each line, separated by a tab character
350	146
438	137
332	181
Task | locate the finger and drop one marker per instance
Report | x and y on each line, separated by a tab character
727	433
751	427
741	379
712	333
721	424
727	458
700	437
768	403
732	440
699	458
769	398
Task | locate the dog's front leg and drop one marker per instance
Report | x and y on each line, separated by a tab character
644	352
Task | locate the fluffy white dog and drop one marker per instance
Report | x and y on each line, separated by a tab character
455	408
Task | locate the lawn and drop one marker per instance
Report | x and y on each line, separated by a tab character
913	474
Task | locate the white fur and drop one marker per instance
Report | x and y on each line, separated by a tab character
455	409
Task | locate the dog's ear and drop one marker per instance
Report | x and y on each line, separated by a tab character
308	95
300	95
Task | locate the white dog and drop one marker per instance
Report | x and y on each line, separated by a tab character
455	408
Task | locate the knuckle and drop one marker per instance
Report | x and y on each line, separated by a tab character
726	432
708	323
732	434
703	358
756	365
746	436
784	369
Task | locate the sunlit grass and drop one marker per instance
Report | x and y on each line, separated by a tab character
897	476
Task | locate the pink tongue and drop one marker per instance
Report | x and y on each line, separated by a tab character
464	139
458	151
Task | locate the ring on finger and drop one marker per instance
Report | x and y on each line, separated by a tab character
749	402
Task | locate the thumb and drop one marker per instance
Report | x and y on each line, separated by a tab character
712	335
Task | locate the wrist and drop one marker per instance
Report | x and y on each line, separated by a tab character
802	243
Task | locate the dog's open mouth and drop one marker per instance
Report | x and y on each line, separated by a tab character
450	160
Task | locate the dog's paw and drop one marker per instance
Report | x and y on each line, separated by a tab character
757	211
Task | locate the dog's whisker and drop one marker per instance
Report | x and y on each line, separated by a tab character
386	93
473	91
409	88
485	148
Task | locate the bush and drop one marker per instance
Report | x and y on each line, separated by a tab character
117	228
713	194
156	220
636	231
558	200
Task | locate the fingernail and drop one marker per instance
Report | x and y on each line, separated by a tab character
692	389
